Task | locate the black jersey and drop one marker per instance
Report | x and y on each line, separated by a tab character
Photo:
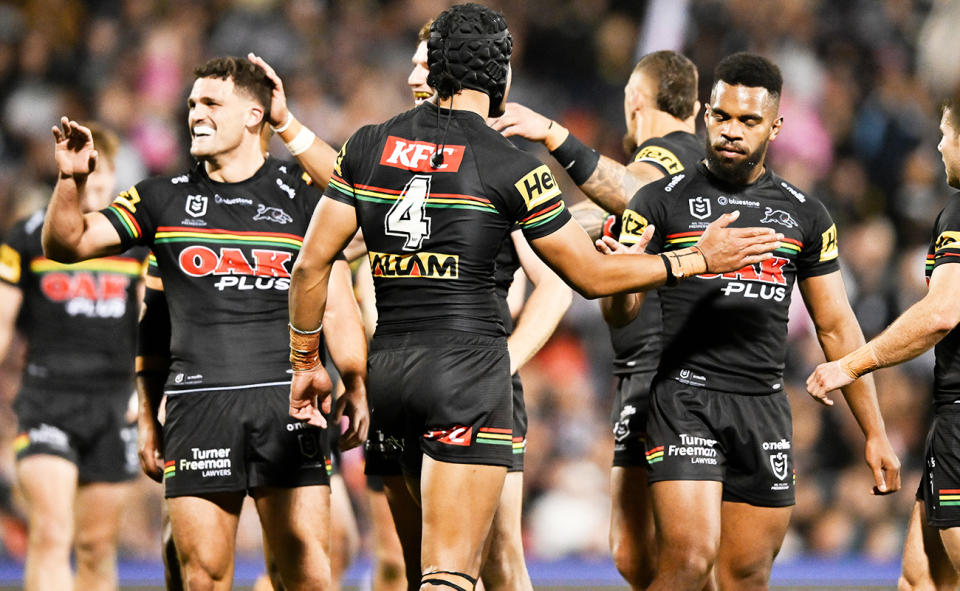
507	263
225	252
79	320
728	332
945	249
432	234
636	346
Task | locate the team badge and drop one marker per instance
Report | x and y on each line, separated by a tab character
308	444
272	214
196	205
778	216
778	462
700	207
622	429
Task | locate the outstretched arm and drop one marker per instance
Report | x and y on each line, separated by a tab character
543	310
347	345
915	331
332	226
610	184
570	253
69	235
314	155
839	334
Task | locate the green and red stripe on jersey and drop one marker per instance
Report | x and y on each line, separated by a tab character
174	234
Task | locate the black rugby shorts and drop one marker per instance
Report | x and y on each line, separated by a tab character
631	404
940	486
519	425
441	393
239	440
742	441
87	429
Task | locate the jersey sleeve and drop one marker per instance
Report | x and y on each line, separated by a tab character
657	151
534	201
646	207
129	216
946	245
819	254
341	187
308	189
14	257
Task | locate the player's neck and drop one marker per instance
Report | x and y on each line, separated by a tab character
237	165
467	100
659	124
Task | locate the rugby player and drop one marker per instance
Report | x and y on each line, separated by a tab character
225	234
436	192
660	105
931	553
75	446
719	431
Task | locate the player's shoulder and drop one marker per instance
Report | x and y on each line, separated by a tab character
793	194
669	185
163	185
673	153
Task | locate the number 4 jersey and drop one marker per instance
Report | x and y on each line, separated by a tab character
432	233
225	252
728	332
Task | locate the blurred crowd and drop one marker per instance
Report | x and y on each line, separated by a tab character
862	83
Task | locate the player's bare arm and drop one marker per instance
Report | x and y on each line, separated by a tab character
610	185
543	310
10	300
620	310
152	365
348	350
917	330
839	334
314	155
69	235
721	249
331	227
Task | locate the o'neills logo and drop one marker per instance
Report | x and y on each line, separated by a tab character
413	155
419	264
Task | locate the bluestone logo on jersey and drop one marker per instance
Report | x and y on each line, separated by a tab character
416	155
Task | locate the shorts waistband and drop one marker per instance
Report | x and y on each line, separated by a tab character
433	338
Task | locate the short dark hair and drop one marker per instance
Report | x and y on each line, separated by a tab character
676	80
247	77
749	69
951	107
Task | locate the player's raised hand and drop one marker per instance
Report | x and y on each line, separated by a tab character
827	378
730	249
610	245
353	404
521	121
310	396
884	464
278	98
74	151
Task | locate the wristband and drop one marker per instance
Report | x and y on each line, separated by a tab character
577	159
301	142
304	349
687	262
283	126
861	361
671	278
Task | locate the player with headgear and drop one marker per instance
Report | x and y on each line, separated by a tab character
436	191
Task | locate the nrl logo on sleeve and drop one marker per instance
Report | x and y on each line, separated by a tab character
538	186
700	207
196	205
414	155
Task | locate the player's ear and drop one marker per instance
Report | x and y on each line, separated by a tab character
776	127
255	116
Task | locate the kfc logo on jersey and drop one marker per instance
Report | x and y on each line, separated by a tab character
700	207
267	271
415	156
453	436
196	205
272	214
